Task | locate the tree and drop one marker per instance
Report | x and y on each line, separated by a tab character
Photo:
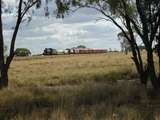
23	7
81	46
125	46
139	16
22	52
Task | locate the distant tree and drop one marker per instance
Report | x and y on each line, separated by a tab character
137	16
81	46
22	52
125	46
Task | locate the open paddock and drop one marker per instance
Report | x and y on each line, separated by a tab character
76	87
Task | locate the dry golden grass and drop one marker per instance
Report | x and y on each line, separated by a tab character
70	69
76	87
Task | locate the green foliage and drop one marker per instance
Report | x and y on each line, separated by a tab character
38	4
22	52
114	5
62	7
81	46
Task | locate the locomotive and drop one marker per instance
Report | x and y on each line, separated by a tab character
49	51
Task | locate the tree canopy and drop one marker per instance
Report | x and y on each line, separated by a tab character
81	46
137	16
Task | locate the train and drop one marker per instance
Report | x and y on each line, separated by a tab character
87	51
51	51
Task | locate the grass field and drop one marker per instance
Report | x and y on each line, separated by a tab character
76	87
72	69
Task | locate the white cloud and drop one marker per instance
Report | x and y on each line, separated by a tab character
75	29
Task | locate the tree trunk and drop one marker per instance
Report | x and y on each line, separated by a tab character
4	77
151	68
143	78
143	73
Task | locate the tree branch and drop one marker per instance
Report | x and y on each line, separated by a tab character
19	20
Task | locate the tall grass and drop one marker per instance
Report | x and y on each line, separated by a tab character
81	87
83	102
63	70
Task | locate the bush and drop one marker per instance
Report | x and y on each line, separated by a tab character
22	52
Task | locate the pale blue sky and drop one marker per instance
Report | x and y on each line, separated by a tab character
75	29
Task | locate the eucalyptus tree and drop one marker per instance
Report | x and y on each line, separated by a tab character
22	9
137	16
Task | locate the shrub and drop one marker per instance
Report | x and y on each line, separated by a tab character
22	52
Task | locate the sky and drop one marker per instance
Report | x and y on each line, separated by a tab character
10	0
78	28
